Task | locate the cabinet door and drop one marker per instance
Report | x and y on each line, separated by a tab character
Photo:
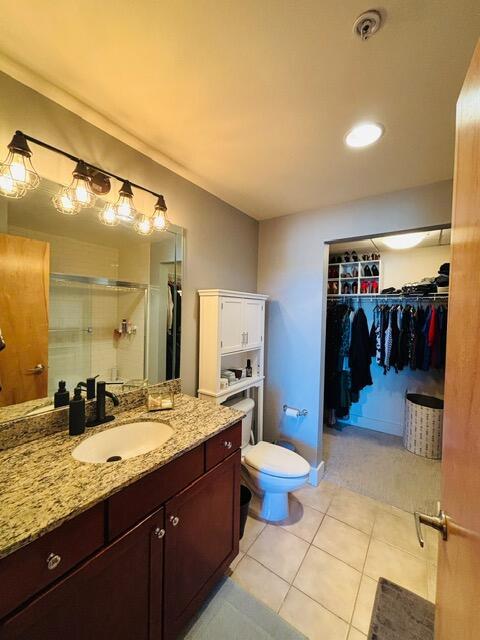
109	596
231	325
202	531
253	323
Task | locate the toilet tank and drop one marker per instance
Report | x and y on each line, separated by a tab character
246	405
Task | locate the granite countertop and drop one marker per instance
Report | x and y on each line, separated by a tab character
42	485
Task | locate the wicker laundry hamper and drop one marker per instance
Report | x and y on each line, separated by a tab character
422	433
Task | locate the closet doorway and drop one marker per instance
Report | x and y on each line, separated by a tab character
386	323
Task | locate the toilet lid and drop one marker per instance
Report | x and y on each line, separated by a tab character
276	461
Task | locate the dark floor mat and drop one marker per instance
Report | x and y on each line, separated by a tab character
399	614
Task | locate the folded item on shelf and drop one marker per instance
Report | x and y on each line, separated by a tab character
390	291
442	280
421	288
445	269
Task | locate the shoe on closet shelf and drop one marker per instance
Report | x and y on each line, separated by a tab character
367	272
346	257
365	257
346	288
354	272
354	256
355	287
375	271
375	286
364	287
335	288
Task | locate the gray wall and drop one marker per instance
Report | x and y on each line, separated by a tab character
221	242
291	269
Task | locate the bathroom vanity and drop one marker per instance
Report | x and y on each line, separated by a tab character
135	553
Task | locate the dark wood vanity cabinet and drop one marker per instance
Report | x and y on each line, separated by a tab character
144	583
202	525
108	596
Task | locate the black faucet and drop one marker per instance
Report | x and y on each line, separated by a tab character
89	385
100	413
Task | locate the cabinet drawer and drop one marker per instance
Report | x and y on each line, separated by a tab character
26	571
132	504
222	445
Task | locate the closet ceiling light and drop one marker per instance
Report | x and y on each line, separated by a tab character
404	241
364	134
17	175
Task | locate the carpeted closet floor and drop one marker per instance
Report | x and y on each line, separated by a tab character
377	465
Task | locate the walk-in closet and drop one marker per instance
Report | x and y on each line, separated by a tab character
385	344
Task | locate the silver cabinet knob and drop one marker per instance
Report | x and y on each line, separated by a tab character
227	444
174	520
159	533
53	560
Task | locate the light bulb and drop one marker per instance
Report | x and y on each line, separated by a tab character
160	221
17	174
65	202
109	215
160	215
18	169
80	186
143	225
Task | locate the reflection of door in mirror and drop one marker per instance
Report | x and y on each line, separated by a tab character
24	289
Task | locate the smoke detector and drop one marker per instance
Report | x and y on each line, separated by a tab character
367	24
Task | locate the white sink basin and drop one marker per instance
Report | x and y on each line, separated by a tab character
123	442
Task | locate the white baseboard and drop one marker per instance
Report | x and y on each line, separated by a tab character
316	474
393	428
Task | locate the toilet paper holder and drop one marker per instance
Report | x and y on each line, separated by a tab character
298	413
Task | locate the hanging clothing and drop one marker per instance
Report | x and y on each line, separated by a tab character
360	359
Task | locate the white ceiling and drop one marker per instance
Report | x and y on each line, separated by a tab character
251	99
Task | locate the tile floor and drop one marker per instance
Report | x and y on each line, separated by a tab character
319	571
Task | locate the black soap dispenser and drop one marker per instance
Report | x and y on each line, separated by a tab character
76	417
61	397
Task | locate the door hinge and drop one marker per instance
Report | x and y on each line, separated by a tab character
221	343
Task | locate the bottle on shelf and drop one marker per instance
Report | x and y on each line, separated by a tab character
61	397
248	370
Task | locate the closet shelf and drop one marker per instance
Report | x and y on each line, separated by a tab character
388	296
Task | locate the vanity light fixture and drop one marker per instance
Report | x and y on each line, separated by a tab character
160	215
17	175
364	134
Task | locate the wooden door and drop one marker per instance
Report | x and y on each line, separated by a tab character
202	531
458	589
116	594
231	325
253	323
24	288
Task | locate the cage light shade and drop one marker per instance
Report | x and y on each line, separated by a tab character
80	186
143	225
65	202
17	175
124	205
160	215
108	215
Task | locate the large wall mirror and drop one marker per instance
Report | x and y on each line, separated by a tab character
80	299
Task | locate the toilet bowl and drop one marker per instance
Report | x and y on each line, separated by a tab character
271	470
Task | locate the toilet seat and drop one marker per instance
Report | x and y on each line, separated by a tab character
276	461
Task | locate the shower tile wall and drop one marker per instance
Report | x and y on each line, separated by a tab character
74	352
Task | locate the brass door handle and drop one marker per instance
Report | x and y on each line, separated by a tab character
37	369
438	522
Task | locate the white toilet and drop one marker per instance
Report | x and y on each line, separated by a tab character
272	470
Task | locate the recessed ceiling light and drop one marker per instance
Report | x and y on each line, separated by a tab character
404	241
361	135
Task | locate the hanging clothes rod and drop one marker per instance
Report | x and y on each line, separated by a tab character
386	296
